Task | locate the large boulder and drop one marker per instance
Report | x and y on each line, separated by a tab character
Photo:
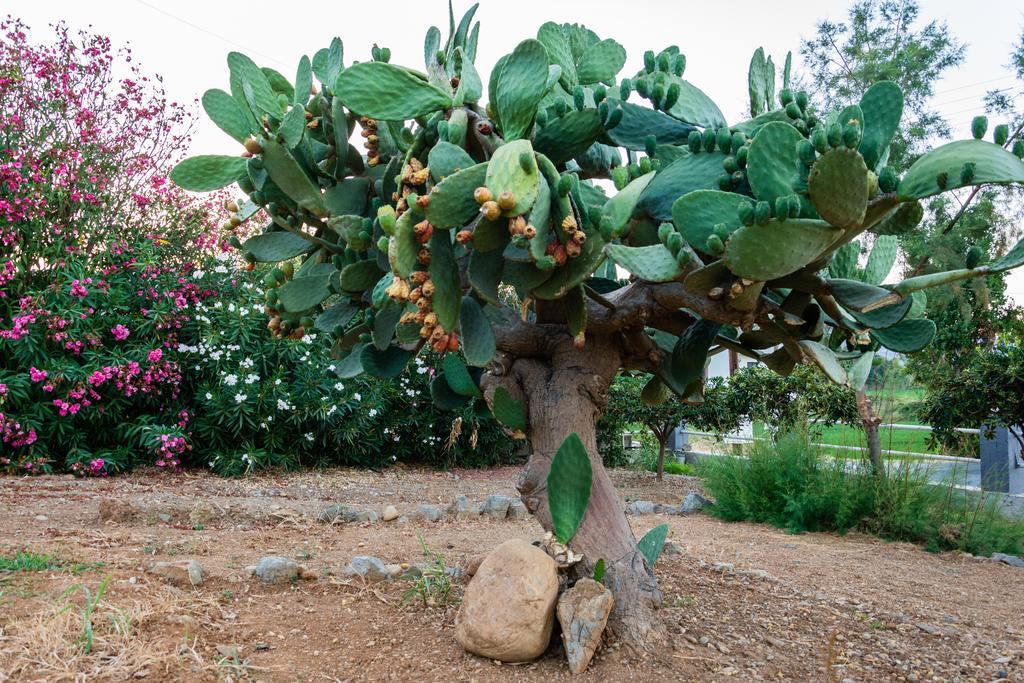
508	610
583	613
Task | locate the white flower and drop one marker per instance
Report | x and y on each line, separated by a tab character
270	418
422	370
308	338
240	397
247	363
220	269
357	396
338	386
231	380
372	412
252	378
283	405
209	396
231	307
198	274
218	304
309	436
332	410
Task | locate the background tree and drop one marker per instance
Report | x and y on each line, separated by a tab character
725	230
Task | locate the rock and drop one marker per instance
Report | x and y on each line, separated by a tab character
186	573
360	515
670	548
461	509
331	514
583	613
496	506
928	628
41	518
693	502
116	511
724	567
474	563
369	568
517	510
430	513
640	507
508	609
390	513
201	514
1011	560
273	569
164	517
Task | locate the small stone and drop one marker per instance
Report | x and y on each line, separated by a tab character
508	609
704	640
517	510
928	628
41	518
726	567
369	568
1011	560
693	502
186	574
429	513
1001	674
1001	660
583	613
164	517
390	513
496	506
273	569
462	509
670	548
757	574
640	507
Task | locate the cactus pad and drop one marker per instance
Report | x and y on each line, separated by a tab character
654	263
696	213
881	259
208	172
686	174
773	165
913	334
451	201
778	248
838	187
273	247
882	106
505	173
993	164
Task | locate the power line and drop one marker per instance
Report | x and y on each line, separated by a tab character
211	33
971	85
971	97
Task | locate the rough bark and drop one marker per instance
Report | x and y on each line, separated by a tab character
870	422
661	456
566	392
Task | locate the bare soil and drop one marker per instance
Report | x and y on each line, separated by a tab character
743	601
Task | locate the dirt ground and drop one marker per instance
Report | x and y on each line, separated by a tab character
743	602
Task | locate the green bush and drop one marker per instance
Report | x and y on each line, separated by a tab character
792	485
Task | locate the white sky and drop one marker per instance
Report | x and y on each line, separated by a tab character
187	41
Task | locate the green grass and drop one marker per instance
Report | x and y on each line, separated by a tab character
841	435
23	561
793	485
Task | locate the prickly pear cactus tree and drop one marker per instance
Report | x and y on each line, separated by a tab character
416	211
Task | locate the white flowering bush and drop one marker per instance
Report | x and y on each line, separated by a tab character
260	401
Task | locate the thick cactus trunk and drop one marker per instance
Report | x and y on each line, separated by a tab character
565	396
870	422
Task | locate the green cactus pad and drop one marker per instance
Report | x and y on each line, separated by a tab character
693	106
568	487
913	334
653	542
444	272
773	165
387	363
446	159
224	110
336	316
519	85
505	173
638	123
451	201
696	213
574	272
208	172
568	136
303	82
838	187
825	359
507	410
685	364
686	174
1012	259
304	293
384	325
619	209
882	106
601	62
286	173
458	377
486	270
258	93
478	343
273	247
554	40
881	259
778	248
654	263
292	127
903	219
357	277
859	371
993	164
704	279
444	397
855	295
403	247
389	93
347	198
490	235
539	218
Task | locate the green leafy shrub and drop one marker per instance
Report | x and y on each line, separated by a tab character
790	484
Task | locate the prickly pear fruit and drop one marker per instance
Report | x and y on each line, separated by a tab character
973	257
805	150
801	99
665	230
746	213
709	140
834	133
851	135
785	96
967	172
1001	134
762	213
675	243
979	124
819	139
723	139
694	141
1018	149
715	246
887	180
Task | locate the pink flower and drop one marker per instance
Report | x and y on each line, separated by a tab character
155	355
120	332
36	375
